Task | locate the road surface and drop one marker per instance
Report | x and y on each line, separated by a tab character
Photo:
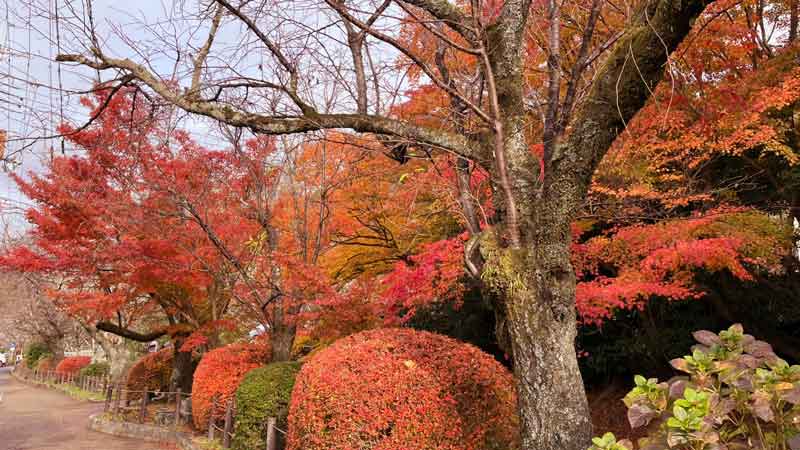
33	418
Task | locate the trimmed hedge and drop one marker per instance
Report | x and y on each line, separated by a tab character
218	375
96	369
264	392
72	365
403	389
151	372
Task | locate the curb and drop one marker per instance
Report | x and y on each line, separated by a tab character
147	433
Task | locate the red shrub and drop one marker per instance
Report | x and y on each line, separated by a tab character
151	372
219	374
403	389
72	364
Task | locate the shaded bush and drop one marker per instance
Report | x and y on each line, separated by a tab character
640	341
34	353
471	320
264	392
738	394
151	372
72	364
47	363
218	375
401	388
95	369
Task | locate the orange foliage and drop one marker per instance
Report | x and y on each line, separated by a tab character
151	373
622	269
218	376
399	388
72	364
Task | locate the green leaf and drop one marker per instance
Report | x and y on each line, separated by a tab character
680	413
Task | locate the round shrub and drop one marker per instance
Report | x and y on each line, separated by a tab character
72	364
96	369
151	372
218	375
47	363
264	392
400	388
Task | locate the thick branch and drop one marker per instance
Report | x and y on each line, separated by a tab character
129	334
272	125
627	79
449	14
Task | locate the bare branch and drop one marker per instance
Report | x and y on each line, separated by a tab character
272	125
204	50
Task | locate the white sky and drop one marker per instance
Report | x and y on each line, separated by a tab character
30	99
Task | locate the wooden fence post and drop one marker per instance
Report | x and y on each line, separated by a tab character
143	409
211	418
109	393
117	398
226	436
272	436
178	408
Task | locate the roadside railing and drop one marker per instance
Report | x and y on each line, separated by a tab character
97	384
273	439
168	409
163	408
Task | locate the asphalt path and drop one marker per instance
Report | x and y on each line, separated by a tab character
34	418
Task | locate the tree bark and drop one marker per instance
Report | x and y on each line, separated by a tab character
182	367
282	338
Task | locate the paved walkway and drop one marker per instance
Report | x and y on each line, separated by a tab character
33	418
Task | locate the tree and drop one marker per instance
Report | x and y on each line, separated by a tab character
525	253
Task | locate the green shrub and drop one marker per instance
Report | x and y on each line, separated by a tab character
264	392
737	394
97	369
35	352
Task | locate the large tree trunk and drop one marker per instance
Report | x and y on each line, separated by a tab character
282	336
182	367
118	355
541	316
